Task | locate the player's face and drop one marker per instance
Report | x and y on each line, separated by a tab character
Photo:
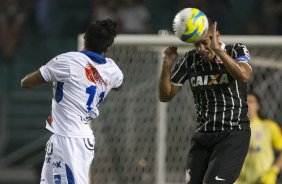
253	106
203	48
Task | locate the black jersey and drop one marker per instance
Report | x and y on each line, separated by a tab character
220	100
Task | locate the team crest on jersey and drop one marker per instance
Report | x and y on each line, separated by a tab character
93	75
57	179
208	80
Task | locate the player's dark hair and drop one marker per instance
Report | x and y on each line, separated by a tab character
260	112
100	35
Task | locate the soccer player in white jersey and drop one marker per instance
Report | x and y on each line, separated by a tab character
81	80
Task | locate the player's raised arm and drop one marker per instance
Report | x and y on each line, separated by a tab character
166	91
32	80
240	71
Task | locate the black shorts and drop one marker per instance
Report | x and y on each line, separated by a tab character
217	157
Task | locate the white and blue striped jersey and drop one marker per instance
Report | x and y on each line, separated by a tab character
220	100
81	81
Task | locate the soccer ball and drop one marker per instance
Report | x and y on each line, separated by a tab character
190	25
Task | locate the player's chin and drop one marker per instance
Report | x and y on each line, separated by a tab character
207	57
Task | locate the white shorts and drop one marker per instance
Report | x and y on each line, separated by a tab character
67	160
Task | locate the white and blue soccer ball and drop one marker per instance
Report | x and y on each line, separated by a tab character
190	25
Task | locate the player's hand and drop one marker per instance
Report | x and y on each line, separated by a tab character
215	45
170	54
270	176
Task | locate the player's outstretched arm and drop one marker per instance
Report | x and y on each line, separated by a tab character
32	80
166	91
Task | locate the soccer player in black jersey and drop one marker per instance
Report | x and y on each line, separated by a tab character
218	75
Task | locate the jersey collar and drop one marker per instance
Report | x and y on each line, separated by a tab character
222	45
97	58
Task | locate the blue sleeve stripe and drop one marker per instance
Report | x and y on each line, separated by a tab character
243	58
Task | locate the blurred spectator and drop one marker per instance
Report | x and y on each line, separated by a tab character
3	119
272	17
105	9
200	4
244	17
240	17
219	10
43	18
134	17
255	28
255	25
12	20
260	165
